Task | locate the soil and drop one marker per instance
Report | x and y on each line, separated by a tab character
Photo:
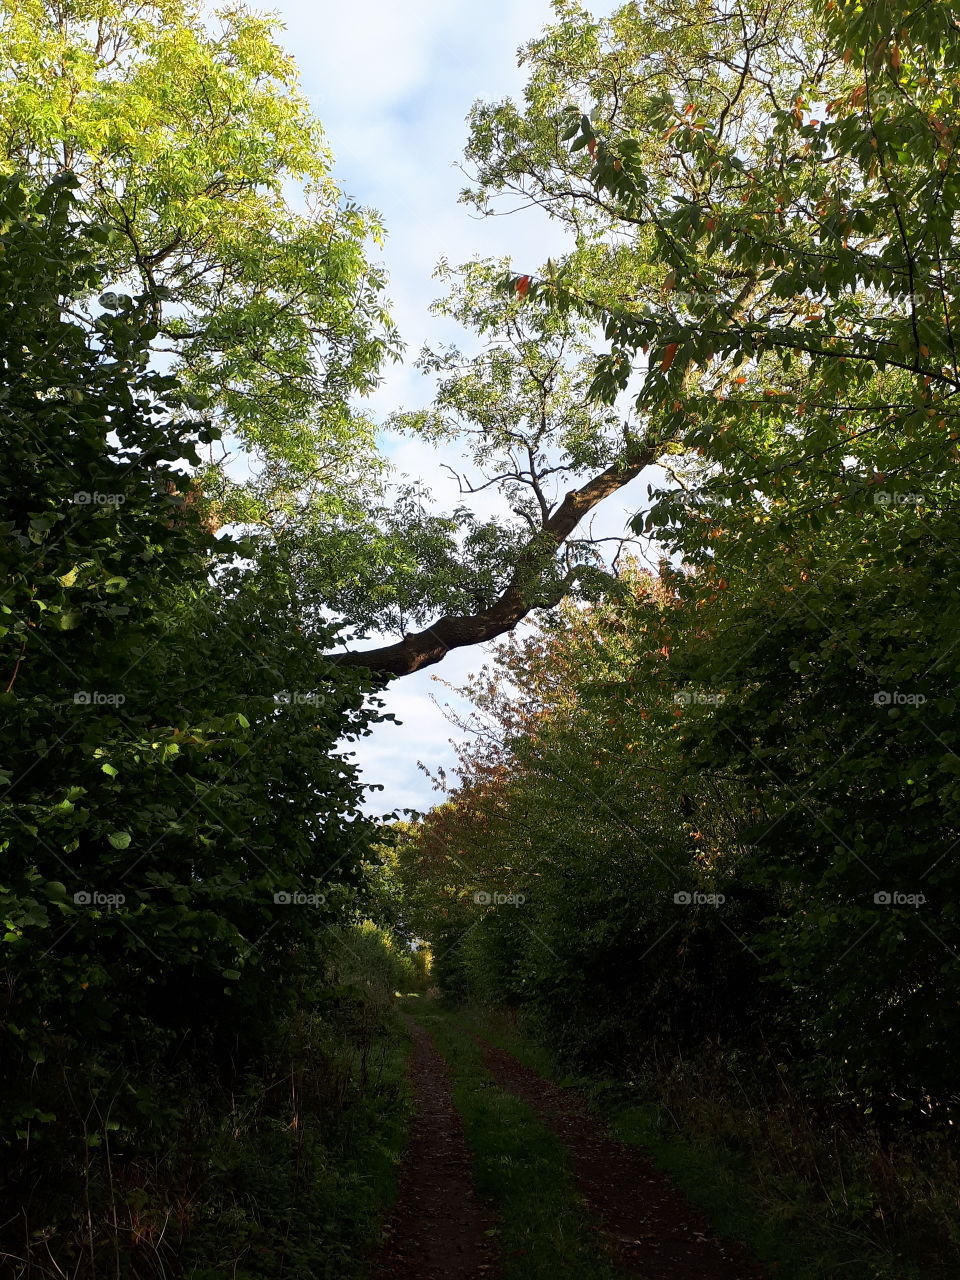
653	1231
441	1230
438	1225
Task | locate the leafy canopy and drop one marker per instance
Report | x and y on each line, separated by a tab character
197	152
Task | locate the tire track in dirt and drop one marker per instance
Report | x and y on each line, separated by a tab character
653	1231
437	1228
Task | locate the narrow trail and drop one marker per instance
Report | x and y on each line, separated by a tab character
436	1230
653	1230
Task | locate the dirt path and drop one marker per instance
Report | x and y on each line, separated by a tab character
654	1231
436	1230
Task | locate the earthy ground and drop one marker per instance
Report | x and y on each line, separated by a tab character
438	1228
652	1229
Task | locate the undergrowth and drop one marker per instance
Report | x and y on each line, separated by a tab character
284	1173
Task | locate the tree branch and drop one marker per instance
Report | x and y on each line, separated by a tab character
522	593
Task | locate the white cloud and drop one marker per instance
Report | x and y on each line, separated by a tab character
366	56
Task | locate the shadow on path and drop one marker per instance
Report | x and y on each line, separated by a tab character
437	1228
653	1231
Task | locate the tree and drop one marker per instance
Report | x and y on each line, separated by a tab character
187	141
791	298
786	283
521	411
547	881
725	810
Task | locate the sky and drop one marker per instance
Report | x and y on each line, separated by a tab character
392	84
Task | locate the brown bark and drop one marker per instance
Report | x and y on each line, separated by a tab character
522	593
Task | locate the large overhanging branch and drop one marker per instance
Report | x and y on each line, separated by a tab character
524	591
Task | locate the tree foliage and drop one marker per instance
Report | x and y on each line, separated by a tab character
719	811
196	150
716	804
764	210
179	826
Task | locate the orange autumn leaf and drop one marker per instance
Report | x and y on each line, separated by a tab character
592	148
523	284
669	355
